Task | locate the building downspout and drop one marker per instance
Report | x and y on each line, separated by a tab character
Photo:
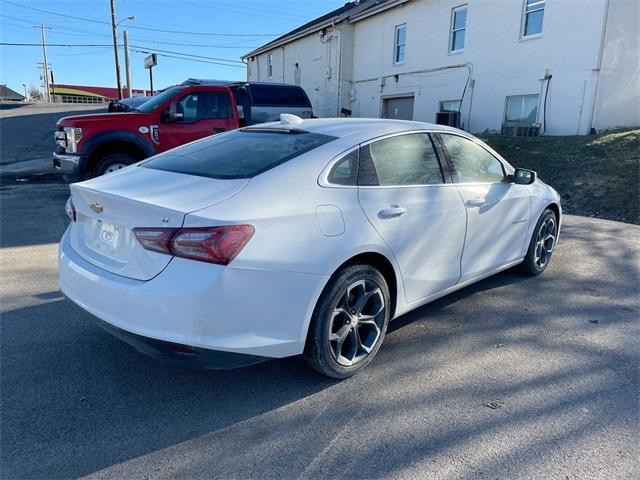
592	116
339	72
584	92
472	85
246	63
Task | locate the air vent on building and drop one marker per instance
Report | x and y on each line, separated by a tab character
520	130
448	118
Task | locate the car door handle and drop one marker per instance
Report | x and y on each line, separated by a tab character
392	212
476	202
218	130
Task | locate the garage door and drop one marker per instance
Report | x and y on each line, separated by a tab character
399	108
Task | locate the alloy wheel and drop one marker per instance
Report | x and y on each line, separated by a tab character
545	242
356	322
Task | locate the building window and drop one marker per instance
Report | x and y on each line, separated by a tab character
270	65
521	109
533	17
448	106
458	28
400	44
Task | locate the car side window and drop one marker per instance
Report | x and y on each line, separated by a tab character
205	105
470	162
345	171
401	160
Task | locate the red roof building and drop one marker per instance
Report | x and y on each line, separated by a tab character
87	94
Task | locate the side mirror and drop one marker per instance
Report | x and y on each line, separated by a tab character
174	113
522	176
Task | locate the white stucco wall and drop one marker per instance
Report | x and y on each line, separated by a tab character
618	97
502	63
317	71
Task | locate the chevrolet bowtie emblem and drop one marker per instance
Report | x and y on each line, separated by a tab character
96	207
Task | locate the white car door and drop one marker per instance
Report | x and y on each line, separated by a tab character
403	193
498	210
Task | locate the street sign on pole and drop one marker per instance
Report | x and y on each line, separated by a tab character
150	61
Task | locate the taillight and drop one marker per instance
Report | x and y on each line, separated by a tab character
155	239
211	244
70	210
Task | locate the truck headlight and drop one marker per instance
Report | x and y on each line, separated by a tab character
73	136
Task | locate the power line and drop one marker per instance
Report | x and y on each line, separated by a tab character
55	32
9	44
138	27
142	48
253	11
63	31
189	54
139	49
191	59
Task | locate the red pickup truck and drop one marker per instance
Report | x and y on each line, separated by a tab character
92	145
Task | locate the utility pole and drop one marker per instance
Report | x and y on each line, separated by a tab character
45	79
127	64
45	65
115	47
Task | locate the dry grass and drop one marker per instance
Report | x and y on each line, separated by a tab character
596	175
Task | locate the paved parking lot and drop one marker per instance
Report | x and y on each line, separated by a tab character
557	357
26	134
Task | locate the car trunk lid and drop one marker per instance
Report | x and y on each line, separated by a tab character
108	208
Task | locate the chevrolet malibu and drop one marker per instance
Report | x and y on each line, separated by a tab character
297	237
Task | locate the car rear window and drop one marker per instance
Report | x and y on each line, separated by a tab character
274	95
237	154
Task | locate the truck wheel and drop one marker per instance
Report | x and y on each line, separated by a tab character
113	162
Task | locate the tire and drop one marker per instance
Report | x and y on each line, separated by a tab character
542	243
349	322
113	162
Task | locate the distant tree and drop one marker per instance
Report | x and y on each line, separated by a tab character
35	94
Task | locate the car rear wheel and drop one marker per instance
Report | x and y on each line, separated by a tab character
349	322
112	163
543	241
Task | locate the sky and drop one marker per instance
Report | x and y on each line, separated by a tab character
208	31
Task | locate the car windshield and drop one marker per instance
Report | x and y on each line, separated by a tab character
137	101
238	154
157	100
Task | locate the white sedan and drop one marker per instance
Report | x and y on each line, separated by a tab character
297	237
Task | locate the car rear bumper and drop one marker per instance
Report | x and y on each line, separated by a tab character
69	165
181	354
261	313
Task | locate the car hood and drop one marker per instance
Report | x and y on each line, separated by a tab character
102	118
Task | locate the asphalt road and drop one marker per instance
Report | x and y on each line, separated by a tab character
26	134
557	355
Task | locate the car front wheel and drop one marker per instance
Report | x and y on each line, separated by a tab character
542	244
349	322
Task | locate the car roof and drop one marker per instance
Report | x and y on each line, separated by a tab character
355	129
228	83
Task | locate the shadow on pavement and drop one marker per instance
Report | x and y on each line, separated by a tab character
76	400
31	212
